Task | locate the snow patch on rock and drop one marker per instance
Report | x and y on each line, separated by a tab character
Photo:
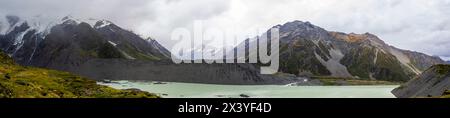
112	43
102	23
18	42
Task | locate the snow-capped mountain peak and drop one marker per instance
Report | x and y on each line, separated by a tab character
42	25
70	20
7	23
102	23
26	39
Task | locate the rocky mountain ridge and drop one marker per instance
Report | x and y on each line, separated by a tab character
306	49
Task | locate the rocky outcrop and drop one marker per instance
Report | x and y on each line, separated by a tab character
433	82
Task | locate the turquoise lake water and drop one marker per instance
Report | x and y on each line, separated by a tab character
191	90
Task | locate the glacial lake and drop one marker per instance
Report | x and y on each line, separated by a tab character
191	90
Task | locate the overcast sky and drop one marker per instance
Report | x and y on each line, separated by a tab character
419	25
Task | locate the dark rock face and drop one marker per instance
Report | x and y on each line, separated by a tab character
433	82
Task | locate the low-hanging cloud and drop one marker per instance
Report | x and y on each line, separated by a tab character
419	25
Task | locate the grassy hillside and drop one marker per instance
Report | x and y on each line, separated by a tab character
29	82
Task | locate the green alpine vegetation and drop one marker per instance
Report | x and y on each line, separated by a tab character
340	81
30	82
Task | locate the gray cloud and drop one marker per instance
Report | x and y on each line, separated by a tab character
419	25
